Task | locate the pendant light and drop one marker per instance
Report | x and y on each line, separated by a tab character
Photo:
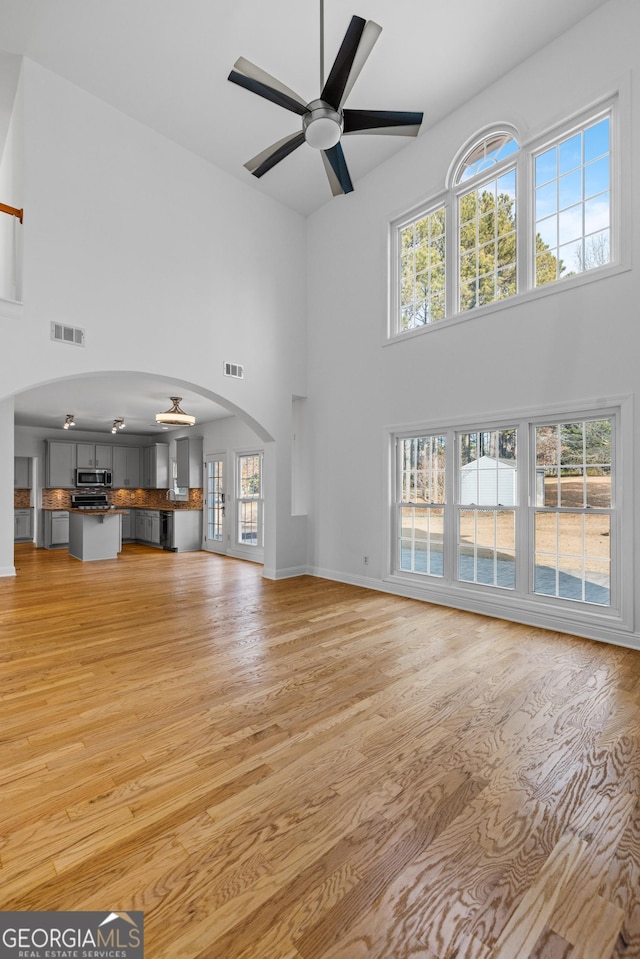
175	416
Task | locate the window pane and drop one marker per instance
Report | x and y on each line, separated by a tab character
582	180
596	177
486	547
421	540
491	150
570	154
488	469
546	166
596	140
422	271
487	242
546	200
249	475
572	549
570	189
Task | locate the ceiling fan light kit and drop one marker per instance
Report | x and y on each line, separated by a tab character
325	121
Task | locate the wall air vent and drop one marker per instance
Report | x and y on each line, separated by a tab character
234	369
67	334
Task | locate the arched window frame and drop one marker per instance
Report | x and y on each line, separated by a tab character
457	188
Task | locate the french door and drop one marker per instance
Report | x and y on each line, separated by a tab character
215	538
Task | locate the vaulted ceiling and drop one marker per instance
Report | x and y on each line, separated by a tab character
165	63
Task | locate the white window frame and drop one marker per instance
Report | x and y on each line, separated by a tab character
240	546
521	603
616	105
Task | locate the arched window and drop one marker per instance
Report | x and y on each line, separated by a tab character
492	149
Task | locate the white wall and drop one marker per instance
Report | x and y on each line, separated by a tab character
11	193
169	265
575	345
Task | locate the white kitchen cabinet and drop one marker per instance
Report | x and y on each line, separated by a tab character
22	472
129	525
94	456
189	462
56	528
61	465
147	526
126	467
155	473
187	529
23	525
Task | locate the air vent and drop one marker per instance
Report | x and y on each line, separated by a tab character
234	369
67	334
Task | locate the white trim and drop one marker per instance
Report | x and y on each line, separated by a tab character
7	571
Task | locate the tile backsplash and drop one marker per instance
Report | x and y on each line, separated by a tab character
124	498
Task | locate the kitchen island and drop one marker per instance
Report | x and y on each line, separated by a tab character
95	534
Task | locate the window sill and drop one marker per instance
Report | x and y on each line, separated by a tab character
594	622
529	296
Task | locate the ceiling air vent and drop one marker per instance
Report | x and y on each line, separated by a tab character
67	334
234	369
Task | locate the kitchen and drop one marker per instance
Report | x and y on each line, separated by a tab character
171	486
95	497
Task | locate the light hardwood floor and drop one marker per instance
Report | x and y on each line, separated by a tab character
308	770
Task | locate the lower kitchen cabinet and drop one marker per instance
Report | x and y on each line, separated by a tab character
22	525
56	528
147	526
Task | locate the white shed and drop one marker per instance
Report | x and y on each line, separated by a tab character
489	482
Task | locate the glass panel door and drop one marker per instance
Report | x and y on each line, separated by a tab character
214	505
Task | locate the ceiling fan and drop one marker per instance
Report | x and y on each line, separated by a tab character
325	121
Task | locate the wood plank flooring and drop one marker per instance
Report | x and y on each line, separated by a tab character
308	770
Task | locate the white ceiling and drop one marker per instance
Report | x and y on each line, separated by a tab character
97	400
165	63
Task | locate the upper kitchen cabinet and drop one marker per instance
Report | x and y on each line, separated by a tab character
189	462
126	467
90	456
61	464
22	472
155	466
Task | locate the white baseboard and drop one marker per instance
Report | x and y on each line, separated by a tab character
290	573
7	571
540	618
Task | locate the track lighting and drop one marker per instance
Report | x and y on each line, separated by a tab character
68	421
118	424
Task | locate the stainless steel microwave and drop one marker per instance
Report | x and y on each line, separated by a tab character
89	477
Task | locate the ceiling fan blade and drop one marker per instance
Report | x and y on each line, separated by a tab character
400	122
337	172
263	162
251	77
358	43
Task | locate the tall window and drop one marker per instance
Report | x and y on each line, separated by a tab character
422	288
527	510
573	508
487	498
573	204
249	499
420	505
487	242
